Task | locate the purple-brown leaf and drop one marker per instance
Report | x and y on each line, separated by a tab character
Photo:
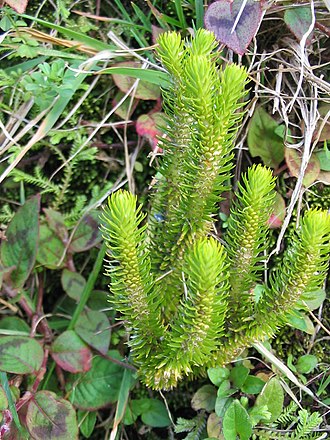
87	234
221	16
56	223
51	417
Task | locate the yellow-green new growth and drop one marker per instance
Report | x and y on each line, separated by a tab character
247	238
188	301
132	285
203	108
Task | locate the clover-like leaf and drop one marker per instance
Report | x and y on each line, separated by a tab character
204	398
51	248
73	283
272	396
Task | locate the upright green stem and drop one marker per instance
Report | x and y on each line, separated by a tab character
89	286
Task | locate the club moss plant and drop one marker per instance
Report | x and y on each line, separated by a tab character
189	301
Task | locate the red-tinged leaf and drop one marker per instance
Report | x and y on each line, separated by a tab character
149	126
51	417
21	244
99	386
51	249
278	214
73	284
93	327
298	20
156	31
293	161
87	234
127	108
56	223
274	222
324	177
262	139
20	355
145	90
18	5
71	353
220	18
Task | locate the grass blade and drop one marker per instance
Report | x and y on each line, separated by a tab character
180	14
97	45
282	367
89	286
142	17
199	11
138	36
125	387
49	121
152	76
11	404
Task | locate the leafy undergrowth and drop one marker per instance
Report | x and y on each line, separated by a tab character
80	116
